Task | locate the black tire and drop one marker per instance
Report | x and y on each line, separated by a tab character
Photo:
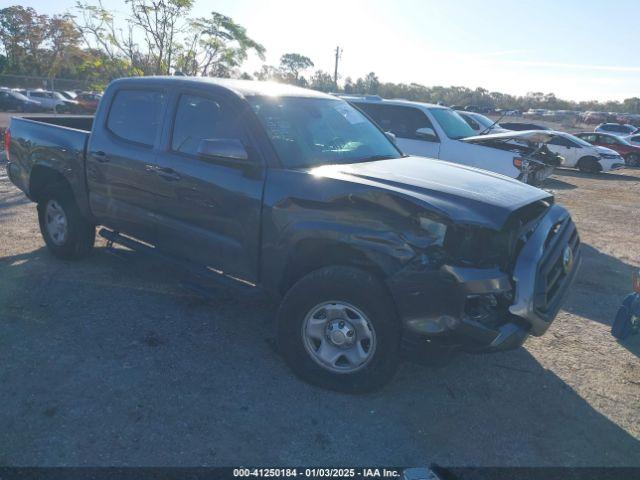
621	327
80	232
589	165
354	287
632	160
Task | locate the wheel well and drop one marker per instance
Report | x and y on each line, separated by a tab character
587	158
43	179
312	255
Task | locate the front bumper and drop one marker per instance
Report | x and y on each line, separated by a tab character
434	305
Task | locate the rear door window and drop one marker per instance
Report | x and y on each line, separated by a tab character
136	115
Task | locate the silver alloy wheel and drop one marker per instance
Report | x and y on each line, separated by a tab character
55	220
338	337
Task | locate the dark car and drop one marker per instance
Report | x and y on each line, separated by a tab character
16	102
521	126
628	151
298	193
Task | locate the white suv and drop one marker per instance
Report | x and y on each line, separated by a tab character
437	131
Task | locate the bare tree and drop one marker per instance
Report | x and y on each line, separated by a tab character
161	21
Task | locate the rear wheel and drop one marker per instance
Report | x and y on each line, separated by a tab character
67	233
337	329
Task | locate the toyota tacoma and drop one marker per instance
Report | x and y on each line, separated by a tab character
368	250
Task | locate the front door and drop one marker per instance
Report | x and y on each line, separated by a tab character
404	122
211	207
566	149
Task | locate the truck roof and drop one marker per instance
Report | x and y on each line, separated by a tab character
243	88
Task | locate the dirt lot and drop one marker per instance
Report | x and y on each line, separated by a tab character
109	362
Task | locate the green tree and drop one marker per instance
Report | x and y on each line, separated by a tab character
215	46
294	63
23	34
322	81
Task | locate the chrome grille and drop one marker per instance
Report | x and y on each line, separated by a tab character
551	274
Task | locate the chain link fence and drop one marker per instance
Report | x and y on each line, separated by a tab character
45	83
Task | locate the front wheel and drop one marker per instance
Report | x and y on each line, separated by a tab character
337	329
633	160
589	165
67	233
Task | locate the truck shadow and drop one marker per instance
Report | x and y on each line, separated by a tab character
617	176
553	183
107	362
602	283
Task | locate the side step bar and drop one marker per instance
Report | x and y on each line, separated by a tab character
194	268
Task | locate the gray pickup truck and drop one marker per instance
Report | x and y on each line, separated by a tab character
368	250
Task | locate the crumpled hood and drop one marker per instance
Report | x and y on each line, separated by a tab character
463	194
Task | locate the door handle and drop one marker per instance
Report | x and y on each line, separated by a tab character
168	174
100	156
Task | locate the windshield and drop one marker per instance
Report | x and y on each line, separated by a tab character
18	95
452	123
308	132
486	122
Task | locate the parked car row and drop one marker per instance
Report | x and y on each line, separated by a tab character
38	100
472	139
616	145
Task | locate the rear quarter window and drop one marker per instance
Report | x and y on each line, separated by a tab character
136	115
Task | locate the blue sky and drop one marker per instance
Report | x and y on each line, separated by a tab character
577	49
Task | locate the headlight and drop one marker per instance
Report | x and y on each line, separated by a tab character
435	230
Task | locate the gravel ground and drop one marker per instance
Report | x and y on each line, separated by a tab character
108	362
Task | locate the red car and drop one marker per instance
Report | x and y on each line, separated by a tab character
630	153
89	101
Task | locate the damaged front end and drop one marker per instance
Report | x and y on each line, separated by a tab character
486	290
533	158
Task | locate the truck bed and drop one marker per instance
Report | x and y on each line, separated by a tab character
56	142
76	122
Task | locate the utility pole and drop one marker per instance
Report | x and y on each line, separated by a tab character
335	72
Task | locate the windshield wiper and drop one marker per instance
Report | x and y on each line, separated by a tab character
373	158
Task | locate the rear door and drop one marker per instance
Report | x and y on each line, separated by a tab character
210	207
124	190
403	122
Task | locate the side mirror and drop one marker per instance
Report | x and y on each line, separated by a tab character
391	136
427	133
223	148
